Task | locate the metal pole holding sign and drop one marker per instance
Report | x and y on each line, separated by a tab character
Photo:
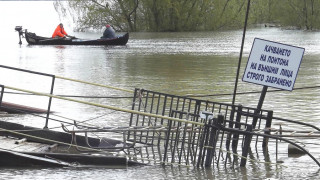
259	107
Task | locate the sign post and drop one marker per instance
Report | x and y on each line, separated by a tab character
272	64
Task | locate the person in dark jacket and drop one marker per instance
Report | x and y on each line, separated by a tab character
109	33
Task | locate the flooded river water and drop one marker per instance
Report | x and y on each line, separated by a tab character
188	63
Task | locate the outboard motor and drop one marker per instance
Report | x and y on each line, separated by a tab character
19	29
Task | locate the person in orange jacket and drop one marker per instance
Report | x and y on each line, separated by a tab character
59	31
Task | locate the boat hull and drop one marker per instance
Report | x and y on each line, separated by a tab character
33	39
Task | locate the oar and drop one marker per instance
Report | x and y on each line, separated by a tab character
72	37
58	38
51	39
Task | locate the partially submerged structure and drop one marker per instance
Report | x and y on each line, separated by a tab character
161	129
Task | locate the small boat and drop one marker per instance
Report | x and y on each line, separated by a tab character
34	39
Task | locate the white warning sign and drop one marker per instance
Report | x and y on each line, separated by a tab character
273	64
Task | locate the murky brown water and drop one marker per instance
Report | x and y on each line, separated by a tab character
178	63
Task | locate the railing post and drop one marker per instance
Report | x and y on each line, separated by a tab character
246	146
228	139
1	96
166	145
203	140
214	136
49	104
132	108
267	128
237	125
210	146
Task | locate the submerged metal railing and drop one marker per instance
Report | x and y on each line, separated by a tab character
42	74
182	130
188	143
52	86
164	104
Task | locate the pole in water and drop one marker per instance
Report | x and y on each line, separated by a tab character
241	50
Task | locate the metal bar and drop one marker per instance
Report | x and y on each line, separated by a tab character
27	71
221	120
190	144
237	126
258	136
246	146
151	108
230	126
167	142
241	50
183	105
289	141
49	104
132	108
268	126
212	142
277	149
172	142
207	104
206	143
176	142
133	105
196	112
297	122
177	105
186	154
171	104
193	148
174	124
246	124
202	143
163	112
139	106
164	107
193	134
228	138
144	117
184	135
1	95
155	120
178	133
261	100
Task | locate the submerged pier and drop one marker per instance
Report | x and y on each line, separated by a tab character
161	129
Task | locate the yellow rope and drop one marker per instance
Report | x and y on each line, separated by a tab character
101	85
108	107
94	84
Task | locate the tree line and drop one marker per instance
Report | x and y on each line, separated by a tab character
190	15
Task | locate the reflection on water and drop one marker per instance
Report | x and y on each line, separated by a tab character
201	63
